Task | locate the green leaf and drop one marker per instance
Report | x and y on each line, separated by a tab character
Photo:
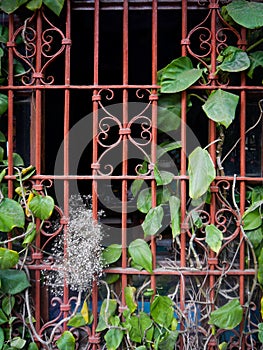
200	163
260	332
252	220
18	68
146	326
257	194
2	338
8	258
113	338
2	151
196	220
17	160
169	112
153	221
223	346
32	346
255	236
141	254
228	316
111	278
10	6
179	75
77	321
246	13
129	294
11	215
54	5
2	137
66	341
3	32
144	200
13	281
42	206
111	254
214	238
162	177
107	310
30	234
221	107
256	59
3	317
174	203
136	186
2	174
134	329
168	341
260	267
142	347
165	147
162	311
3	103
233	60
34	5
18	343
8	304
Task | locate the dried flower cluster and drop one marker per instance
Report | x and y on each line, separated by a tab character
82	245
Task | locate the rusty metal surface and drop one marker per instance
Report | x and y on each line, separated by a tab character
230	269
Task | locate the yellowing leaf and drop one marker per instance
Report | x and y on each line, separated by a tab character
85	311
29	199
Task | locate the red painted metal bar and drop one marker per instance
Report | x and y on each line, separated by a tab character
154	123
95	99
125	121
66	143
212	149
132	86
183	183
243	104
38	159
10	135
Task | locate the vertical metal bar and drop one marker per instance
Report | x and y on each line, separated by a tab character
183	164
66	137
243	101
124	143
10	132
38	158
95	153
212	136
154	98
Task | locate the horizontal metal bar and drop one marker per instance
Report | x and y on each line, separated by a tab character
139	5
105	87
128	177
178	272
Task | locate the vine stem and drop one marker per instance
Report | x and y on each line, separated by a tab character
49	341
251	47
248	130
251	292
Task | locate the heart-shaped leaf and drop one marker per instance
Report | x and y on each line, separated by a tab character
153	221
201	172
42	206
233	60
246	13
221	107
11	215
179	75
214	237
141	254
228	316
